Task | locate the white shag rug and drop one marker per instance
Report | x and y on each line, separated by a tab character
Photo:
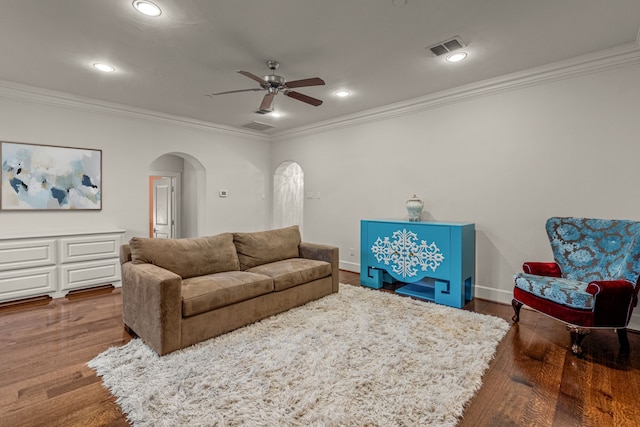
358	357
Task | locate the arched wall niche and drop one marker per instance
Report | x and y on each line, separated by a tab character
288	195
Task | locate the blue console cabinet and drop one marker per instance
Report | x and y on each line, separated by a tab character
436	260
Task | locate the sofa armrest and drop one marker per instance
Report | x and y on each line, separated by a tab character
152	305
613	302
125	253
550	269
326	253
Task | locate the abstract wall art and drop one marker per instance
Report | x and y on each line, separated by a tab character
45	177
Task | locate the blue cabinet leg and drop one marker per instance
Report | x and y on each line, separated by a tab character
449	293
373	278
468	289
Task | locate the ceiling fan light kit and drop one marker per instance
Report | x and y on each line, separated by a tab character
275	84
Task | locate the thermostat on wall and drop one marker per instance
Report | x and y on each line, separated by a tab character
222	193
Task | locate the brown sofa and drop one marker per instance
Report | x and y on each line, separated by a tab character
178	292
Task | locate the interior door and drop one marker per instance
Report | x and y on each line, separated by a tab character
163	200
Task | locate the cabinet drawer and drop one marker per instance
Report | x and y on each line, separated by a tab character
91	273
19	284
26	254
90	247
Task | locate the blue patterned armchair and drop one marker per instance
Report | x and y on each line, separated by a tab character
593	282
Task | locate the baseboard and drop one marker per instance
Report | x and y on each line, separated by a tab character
634	323
493	294
349	266
497	295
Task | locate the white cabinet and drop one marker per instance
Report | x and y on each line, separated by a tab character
17	284
88	261
53	265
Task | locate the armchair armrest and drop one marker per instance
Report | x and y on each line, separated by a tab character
550	269
614	301
152	305
326	253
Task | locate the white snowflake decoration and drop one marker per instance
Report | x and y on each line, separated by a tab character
405	255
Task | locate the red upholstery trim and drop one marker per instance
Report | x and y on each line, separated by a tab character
563	313
613	302
550	269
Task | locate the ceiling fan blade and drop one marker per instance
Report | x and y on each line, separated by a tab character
304	98
253	77
267	102
255	89
313	81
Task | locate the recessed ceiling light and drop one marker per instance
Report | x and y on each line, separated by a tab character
456	57
275	114
104	67
342	93
147	8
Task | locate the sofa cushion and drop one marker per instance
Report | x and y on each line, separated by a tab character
205	293
294	271
187	257
264	247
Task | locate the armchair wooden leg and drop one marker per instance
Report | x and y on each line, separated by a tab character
577	335
517	305
623	340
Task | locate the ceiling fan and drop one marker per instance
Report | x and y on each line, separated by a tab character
274	85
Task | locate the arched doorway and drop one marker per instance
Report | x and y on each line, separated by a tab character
288	195
176	196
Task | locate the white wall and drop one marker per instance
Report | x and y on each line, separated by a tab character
505	161
236	162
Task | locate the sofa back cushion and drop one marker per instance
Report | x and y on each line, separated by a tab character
187	257
264	247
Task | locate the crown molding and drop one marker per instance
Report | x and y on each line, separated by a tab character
618	57
45	96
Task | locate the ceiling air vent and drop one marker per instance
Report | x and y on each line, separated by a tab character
446	46
258	126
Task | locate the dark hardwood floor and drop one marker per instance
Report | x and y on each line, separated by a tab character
532	381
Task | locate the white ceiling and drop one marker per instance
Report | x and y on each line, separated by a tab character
373	48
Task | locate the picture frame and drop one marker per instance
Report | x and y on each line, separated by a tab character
49	177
